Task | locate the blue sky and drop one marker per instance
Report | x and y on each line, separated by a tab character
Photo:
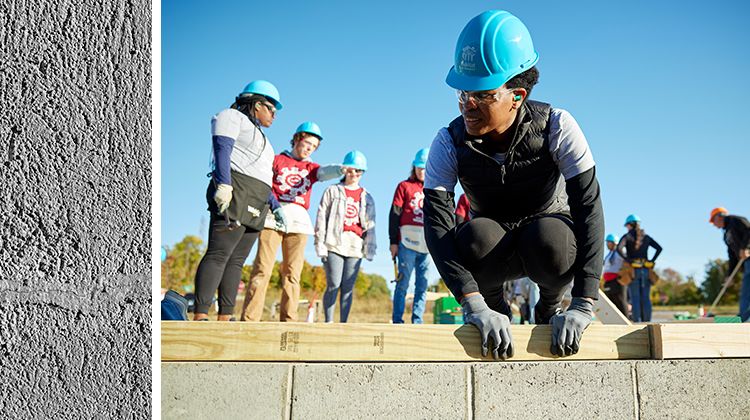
659	88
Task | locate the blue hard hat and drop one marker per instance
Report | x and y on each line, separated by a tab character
493	48
612	238
420	159
633	218
267	89
310	127
355	159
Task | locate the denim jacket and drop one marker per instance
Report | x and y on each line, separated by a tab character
329	226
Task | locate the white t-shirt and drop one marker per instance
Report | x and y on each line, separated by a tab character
252	154
612	262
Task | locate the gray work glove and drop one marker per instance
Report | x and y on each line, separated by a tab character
567	327
280	219
223	196
491	324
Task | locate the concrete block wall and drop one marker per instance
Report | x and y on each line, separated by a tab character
75	209
695	389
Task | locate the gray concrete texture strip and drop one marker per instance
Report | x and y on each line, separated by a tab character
75	242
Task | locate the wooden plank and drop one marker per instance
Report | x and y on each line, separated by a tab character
700	341
607	312
266	341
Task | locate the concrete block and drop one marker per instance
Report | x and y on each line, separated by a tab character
226	390
694	389
404	390
554	390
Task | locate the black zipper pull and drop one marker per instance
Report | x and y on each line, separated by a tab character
502	174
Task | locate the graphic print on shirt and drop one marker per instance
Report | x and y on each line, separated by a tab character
294	184
351	217
416	204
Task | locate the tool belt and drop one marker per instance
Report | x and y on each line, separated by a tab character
642	263
249	204
627	274
627	271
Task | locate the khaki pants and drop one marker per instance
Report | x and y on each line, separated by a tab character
292	252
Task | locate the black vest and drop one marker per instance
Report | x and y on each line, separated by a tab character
524	186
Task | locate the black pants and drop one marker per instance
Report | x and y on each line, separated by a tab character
543	249
618	294
222	265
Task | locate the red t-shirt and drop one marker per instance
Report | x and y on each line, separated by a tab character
293	179
463	207
410	197
351	216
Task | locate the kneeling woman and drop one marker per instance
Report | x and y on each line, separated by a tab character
344	233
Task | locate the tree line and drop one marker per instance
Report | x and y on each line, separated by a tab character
674	289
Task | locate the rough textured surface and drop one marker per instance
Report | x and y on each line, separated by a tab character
694	389
75	224
566	390
388	391
227	390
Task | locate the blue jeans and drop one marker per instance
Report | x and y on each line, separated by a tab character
408	261
341	273
745	293
533	300
640	296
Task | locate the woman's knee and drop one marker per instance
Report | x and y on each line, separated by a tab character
477	238
548	246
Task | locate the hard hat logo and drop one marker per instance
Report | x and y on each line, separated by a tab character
467	64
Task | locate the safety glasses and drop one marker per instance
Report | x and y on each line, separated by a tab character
482	97
269	107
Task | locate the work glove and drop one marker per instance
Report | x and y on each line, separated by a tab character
567	327
223	196
324	259
491	324
280	219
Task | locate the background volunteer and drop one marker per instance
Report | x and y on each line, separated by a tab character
613	288
237	195
737	239
633	248
344	233
294	174
406	234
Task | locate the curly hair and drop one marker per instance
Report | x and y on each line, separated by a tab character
525	80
